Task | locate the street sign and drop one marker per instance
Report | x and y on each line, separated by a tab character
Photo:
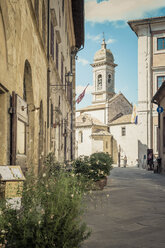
159	109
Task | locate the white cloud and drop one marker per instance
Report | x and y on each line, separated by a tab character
94	38
110	41
80	88
98	38
116	10
83	61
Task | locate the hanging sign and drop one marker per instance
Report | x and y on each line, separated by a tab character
159	109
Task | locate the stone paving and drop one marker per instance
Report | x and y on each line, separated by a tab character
129	212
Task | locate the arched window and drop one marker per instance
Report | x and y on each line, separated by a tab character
99	82
43	23
109	79
80	137
63	6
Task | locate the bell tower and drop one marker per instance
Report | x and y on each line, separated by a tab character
103	75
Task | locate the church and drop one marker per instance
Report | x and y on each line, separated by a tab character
106	125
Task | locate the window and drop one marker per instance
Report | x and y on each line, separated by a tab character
36	6
52	41
62	126
106	144
80	137
109	79
57	55
24	89
65	81
65	23
59	18
123	131
160	80
59	101
99	82
43	23
161	43
62	69
21	137
52	115
63	6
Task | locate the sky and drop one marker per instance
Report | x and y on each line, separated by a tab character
110	17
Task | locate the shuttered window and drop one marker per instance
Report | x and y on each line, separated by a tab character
57	55
52	41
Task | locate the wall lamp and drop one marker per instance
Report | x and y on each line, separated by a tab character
30	104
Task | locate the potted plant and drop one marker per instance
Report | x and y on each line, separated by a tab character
95	168
101	164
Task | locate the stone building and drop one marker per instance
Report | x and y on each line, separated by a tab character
107	106
38	43
66	38
151	74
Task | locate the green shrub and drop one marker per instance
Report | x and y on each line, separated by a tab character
95	167
50	214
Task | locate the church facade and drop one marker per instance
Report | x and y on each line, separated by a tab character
107	106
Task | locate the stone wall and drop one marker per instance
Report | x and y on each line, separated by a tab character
119	105
21	43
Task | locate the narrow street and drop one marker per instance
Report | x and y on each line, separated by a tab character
129	212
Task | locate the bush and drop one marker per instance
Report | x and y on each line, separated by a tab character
95	167
50	215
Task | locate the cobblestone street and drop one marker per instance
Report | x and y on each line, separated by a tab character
129	212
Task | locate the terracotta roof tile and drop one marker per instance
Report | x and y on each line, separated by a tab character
92	107
87	120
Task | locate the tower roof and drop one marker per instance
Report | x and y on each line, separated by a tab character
104	54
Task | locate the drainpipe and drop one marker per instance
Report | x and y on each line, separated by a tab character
155	102
48	71
150	89
73	55
48	24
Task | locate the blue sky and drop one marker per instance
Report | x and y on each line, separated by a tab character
110	17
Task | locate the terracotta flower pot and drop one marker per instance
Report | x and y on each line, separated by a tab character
100	184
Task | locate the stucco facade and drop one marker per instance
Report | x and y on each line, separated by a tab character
126	135
151	71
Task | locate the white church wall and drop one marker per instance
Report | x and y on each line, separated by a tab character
84	147
128	143
98	114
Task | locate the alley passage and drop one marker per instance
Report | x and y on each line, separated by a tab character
129	212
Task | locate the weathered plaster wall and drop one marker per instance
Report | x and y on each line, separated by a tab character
20	41
85	147
127	143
